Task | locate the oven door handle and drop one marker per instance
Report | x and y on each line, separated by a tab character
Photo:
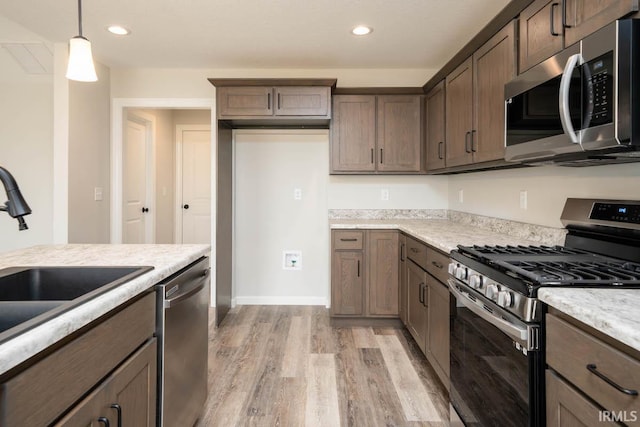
563	99
503	325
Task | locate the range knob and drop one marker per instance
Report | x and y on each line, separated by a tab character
461	273
505	299
491	291
475	281
452	268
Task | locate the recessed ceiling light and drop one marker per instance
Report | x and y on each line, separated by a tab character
361	30
118	30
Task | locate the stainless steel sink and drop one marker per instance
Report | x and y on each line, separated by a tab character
32	295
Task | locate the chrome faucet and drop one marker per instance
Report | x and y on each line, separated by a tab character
16	206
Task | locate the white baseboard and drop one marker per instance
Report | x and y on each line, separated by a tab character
281	300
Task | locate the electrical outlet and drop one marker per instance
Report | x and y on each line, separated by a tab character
384	194
461	196
97	194
523	199
297	194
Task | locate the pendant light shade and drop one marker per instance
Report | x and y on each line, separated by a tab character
80	67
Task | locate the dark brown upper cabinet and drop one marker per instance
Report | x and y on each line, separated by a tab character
234	102
475	102
548	26
372	134
435	149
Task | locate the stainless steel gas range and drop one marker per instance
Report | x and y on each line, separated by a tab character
497	328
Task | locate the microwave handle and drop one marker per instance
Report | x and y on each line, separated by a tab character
565	84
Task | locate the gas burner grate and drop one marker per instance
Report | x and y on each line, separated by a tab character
606	272
488	252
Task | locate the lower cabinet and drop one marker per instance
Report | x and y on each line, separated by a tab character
364	273
80	382
428	305
126	398
592	380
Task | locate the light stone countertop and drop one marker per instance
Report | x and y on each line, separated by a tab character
611	311
442	234
166	260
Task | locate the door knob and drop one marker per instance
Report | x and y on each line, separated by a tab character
186	206
145	210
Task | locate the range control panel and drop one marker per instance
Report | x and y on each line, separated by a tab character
618	212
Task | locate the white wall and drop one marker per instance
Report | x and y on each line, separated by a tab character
89	147
269	165
497	193
26	142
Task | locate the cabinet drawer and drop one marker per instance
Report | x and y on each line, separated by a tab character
348	240
569	352
41	393
437	264
417	252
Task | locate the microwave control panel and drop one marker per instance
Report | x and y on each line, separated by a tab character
599	102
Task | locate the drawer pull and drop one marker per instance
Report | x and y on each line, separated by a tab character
118	408
594	370
348	240
402	255
437	264
104	421
414	250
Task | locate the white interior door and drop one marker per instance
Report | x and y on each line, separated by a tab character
194	184
137	226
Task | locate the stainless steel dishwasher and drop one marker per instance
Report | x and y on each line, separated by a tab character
183	321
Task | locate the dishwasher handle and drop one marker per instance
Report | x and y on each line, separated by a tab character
193	288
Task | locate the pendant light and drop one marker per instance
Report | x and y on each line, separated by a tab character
80	67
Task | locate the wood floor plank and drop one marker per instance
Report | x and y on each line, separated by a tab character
294	361
247	368
364	338
321	407
413	396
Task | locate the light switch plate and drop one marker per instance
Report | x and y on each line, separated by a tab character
97	194
297	194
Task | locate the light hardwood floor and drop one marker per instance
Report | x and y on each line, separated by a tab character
287	366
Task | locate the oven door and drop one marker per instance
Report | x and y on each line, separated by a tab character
495	380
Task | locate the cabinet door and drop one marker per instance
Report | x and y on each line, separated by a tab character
587	16
383	273
245	101
133	388
435	128
302	101
493	67
566	406
403	279
399	133
347	284
353	133
459	113
126	398
417	305
438	331
541	34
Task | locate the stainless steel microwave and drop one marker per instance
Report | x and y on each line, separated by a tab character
581	106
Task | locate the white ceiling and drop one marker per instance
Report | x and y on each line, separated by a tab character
262	33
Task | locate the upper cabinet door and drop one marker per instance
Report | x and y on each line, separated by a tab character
435	128
587	16
459	95
493	67
245	101
399	133
302	101
541	32
353	133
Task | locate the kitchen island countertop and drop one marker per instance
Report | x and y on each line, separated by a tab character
166	260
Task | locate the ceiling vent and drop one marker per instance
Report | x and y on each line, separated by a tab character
33	57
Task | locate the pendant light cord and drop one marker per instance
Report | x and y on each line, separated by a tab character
80	16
